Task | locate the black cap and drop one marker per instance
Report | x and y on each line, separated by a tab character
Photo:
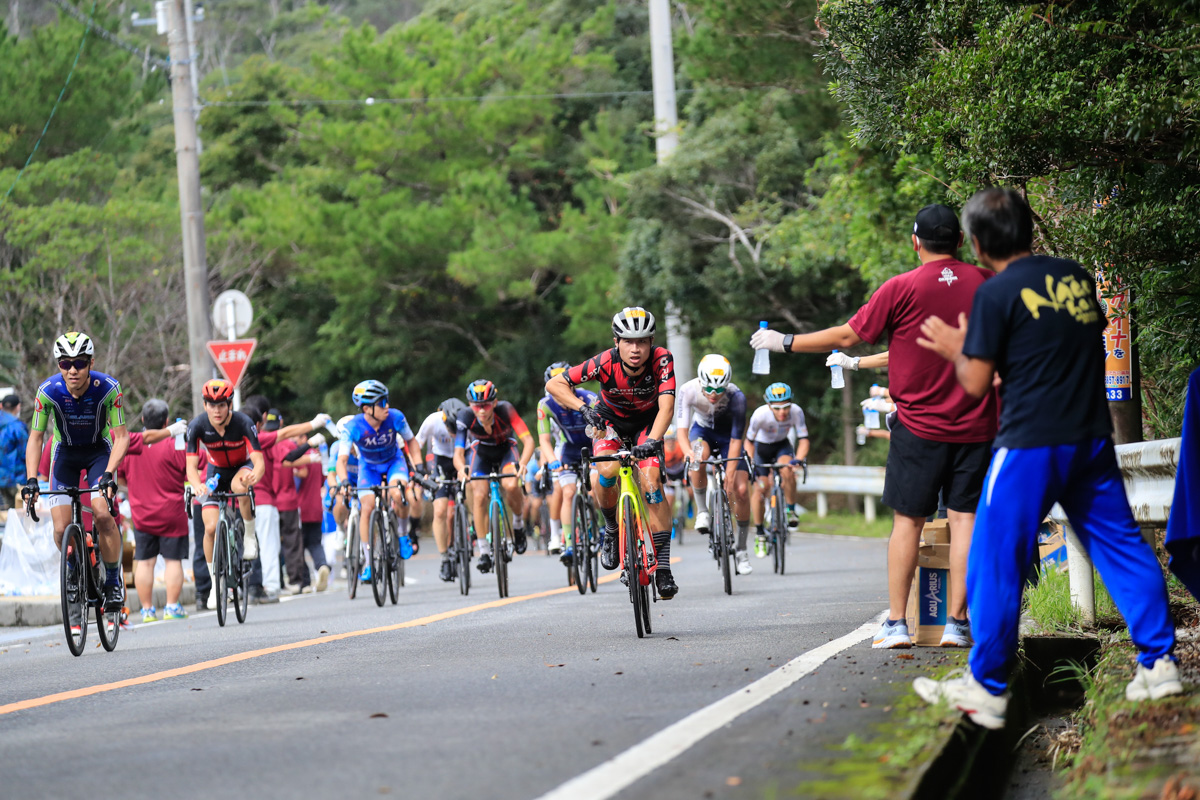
936	223
10	401
274	420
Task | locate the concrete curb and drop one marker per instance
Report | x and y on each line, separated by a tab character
41	610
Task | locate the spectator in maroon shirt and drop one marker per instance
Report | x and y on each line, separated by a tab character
942	441
306	468
155	471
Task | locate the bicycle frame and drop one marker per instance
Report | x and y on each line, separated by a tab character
501	539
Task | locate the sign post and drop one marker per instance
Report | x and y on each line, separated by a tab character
232	314
232	357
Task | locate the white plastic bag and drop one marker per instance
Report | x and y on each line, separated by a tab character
29	559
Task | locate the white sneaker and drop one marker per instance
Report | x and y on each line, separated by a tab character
555	545
956	634
249	547
891	637
323	578
743	563
703	522
1153	684
968	696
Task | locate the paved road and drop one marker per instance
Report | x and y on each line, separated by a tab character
506	701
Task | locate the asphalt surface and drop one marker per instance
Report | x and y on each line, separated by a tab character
499	702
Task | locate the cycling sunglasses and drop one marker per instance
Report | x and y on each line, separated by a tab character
483	406
718	390
78	363
780	406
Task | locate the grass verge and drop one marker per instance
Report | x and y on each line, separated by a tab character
843	523
1048	605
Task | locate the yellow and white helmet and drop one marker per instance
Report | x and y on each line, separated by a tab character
714	372
633	322
73	344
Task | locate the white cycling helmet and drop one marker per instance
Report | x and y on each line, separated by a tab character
634	322
340	427
73	344
714	371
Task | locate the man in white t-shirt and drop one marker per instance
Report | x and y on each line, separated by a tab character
768	441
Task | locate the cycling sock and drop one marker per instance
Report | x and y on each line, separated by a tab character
556	527
518	523
249	524
402	526
701	502
567	530
414	525
662	548
743	534
485	547
209	565
610	517
758	529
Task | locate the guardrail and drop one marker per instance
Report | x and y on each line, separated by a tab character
1148	469
826	480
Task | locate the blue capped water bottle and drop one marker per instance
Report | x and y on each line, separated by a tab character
212	483
762	356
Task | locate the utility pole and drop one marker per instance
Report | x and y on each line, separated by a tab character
189	15
191	210
666	125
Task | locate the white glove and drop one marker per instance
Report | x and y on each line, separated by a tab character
317	440
841	360
321	420
767	339
177	428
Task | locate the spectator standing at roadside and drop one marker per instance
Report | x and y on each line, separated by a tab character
943	438
155	471
287	502
1039	324
309	476
14	437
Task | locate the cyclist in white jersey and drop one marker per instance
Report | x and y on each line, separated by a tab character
436	435
767	441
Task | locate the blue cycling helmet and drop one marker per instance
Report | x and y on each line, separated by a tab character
778	393
368	393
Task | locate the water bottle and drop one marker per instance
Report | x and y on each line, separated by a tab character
860	434
762	357
212	483
180	443
836	379
871	410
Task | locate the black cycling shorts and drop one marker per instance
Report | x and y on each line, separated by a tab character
769	453
918	469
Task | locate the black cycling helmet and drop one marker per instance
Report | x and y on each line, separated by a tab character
450	408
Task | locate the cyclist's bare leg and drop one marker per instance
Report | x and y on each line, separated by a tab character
741	504
762	487
787	476
61	517
606	496
479	501
566	503
512	488
441	523
366	503
209	514
106	530
650	481
700	452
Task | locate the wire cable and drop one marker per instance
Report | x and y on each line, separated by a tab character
46	127
370	101
140	52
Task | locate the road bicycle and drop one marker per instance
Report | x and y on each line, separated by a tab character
775	512
499	528
679	512
584	568
722	533
352	555
636	540
81	575
387	562
231	573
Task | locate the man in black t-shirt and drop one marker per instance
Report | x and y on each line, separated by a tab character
1038	324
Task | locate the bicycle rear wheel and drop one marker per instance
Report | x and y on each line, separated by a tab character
580	559
499	549
239	574
628	530
462	548
396	565
73	586
379	567
353	553
544	526
220	570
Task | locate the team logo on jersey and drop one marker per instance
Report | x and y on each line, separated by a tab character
948	276
96	382
541	412
117	402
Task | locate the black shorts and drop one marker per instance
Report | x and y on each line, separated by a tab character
224	480
918	469
148	546
769	453
443	467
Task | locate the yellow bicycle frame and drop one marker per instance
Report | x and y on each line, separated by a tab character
629	488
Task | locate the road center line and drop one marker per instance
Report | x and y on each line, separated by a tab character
623	769
154	677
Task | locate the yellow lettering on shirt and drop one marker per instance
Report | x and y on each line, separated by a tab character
1070	295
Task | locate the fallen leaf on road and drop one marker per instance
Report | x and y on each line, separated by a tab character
493	677
618	673
299	679
324	631
378	715
672	638
733	780
596	743
906	656
864	704
197	690
552	666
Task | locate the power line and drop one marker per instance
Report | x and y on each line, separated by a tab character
370	101
46	127
108	35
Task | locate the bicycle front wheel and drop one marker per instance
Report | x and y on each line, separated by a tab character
592	542
499	548
396	564
725	536
353	558
579	544
781	530
628	531
239	573
73	588
462	548
220	570
379	562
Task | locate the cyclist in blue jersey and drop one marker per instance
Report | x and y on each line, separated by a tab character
340	512
380	434
565	463
89	436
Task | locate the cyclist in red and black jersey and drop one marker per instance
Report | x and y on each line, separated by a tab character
490	430
234	456
637	401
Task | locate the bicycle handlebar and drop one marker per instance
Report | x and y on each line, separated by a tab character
72	492
802	463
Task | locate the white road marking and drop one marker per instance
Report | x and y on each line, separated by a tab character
625	768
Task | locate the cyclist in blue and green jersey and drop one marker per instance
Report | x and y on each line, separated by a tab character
565	460
340	512
89	436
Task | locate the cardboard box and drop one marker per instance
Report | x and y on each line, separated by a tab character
929	597
936	532
1052	545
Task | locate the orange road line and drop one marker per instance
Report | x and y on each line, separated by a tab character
154	677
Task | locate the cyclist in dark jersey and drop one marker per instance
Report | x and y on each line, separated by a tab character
234	457
490	430
89	436
637	400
